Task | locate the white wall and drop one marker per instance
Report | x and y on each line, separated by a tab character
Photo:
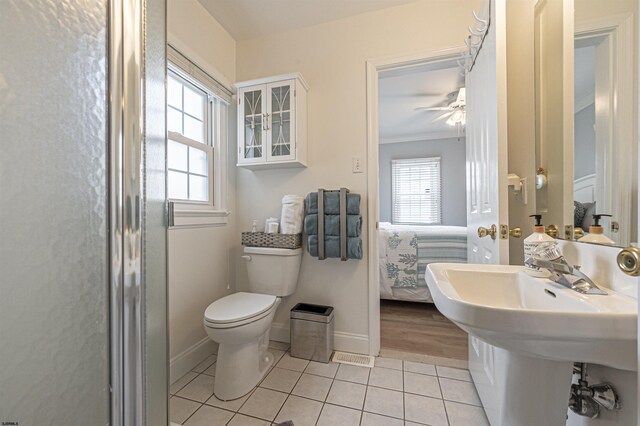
452	168
584	148
332	58
201	264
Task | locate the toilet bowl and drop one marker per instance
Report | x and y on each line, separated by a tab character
243	339
240	323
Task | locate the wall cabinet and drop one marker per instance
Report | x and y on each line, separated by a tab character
272	122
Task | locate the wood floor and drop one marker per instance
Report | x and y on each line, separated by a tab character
420	328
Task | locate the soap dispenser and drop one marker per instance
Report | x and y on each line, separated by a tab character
596	232
532	241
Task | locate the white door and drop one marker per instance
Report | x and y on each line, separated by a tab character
486	136
487	191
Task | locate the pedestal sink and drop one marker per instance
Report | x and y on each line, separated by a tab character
540	328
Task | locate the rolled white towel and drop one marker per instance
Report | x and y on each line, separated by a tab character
292	216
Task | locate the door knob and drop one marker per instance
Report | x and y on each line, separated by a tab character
483	232
515	232
552	231
629	261
578	233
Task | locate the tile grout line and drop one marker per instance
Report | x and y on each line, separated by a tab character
186	384
444	405
294	386
187	419
404	405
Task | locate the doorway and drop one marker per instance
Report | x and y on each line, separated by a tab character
417	200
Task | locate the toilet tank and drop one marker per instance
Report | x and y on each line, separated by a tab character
273	270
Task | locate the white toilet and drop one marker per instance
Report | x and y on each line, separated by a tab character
240	322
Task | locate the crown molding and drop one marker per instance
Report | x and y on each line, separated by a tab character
416	137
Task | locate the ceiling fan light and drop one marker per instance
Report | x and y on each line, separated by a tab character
456	117
450	121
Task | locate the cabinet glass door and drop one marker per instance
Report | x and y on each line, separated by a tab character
281	131
253	109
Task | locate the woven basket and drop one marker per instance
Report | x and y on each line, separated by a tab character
263	239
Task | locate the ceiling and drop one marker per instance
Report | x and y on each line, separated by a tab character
246	19
401	92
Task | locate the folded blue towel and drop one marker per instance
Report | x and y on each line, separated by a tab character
332	247
332	224
332	203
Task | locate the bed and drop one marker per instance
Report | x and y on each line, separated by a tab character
405	252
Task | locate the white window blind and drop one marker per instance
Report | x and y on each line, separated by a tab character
416	194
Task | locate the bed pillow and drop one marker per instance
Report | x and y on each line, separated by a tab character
579	210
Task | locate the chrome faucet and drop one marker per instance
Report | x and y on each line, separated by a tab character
547	256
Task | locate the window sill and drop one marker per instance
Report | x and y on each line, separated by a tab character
190	218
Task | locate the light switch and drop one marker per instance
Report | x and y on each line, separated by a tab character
356	165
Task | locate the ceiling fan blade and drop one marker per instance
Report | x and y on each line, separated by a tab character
441	117
433	108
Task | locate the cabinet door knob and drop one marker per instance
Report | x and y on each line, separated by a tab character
492	232
629	261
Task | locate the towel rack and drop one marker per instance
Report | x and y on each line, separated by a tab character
343	222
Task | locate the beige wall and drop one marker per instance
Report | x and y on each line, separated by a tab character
201	268
193	31
521	118
332	58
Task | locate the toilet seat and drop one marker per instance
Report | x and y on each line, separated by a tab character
238	309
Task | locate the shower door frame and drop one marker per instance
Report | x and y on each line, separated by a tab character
136	164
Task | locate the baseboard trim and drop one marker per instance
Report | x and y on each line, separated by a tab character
345	342
185	361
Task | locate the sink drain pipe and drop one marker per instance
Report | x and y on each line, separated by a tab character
587	400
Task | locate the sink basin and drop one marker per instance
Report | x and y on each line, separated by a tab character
536	317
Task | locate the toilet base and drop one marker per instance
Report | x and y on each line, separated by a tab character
241	367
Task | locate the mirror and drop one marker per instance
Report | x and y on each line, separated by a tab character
586	104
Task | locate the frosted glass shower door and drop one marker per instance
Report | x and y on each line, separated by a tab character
54	292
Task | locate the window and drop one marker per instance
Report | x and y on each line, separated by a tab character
416	195
190	145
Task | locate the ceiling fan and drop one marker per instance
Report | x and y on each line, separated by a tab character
454	112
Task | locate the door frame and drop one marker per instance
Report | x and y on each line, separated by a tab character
373	69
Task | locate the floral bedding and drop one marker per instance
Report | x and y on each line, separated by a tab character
405	252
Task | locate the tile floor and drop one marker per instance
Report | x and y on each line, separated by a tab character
394	392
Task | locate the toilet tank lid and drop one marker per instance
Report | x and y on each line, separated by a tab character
238	306
273	251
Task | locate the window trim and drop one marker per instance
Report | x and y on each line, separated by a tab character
437	160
